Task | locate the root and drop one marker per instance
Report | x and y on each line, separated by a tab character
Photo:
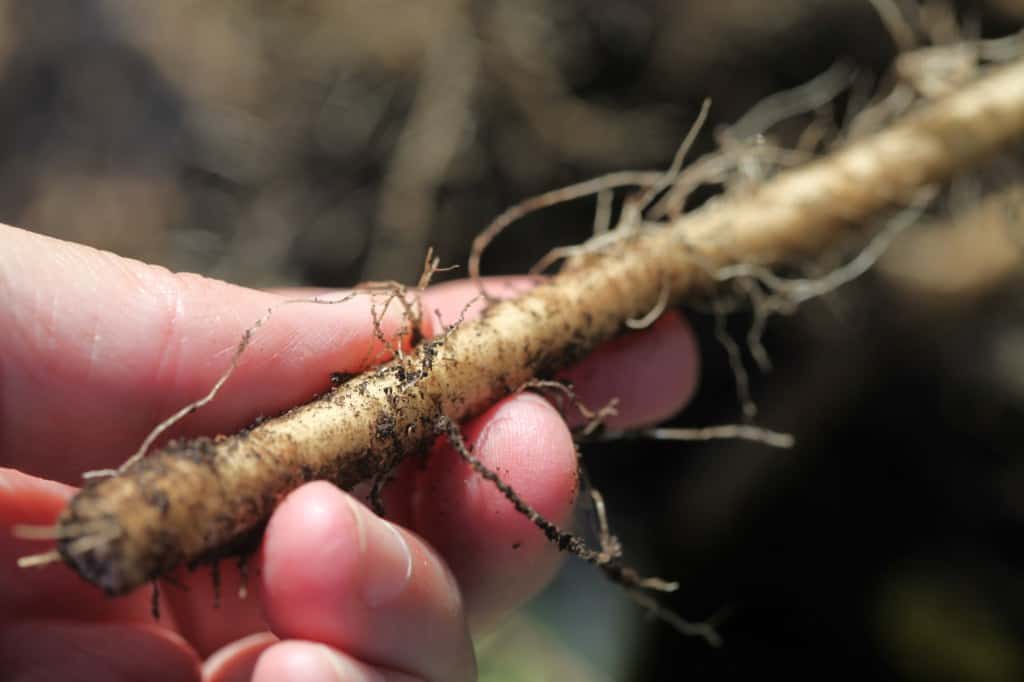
653	314
676	166
41	559
633	210
548	199
600	243
609	543
786	295
739	162
603	212
739	370
607	558
392	290
762	311
899	28
191	407
187	409
24	531
377	493
748	432
594	418
611	546
565	541
787	104
684	627
196	501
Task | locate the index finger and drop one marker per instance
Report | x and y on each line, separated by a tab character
98	349
107	347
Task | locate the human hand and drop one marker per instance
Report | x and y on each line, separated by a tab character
97	349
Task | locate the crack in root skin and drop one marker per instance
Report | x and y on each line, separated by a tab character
191	499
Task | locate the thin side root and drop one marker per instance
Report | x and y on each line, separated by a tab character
26	531
372	289
606	560
565	541
684	627
557	196
610	545
672	173
749	432
187	409
739	370
595	418
43	559
652	316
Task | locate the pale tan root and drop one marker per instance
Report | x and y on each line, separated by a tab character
787	104
611	547
205	498
393	290
42	559
748	432
595	418
552	198
191	407
735	358
770	294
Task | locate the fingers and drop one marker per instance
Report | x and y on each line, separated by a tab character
333	572
93	335
236	661
498	556
51	591
298	661
90	335
55	650
653	372
114	346
53	625
187	604
207	610
262	658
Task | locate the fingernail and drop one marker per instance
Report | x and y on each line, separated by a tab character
235	661
387	560
317	663
342	670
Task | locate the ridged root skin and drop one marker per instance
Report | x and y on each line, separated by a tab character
200	499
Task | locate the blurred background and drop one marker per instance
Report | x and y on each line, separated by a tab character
324	142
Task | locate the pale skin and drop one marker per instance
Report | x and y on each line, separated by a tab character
97	349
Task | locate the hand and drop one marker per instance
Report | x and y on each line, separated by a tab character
97	349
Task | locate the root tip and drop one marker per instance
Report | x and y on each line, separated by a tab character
100	473
34	560
28	531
